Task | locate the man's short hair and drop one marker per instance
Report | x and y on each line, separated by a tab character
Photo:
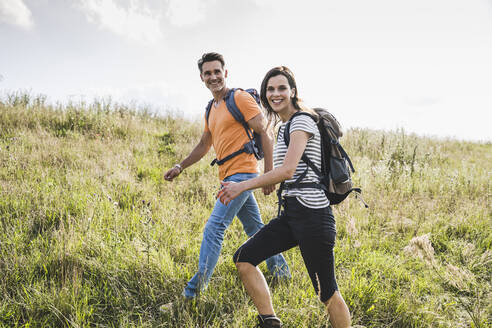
208	57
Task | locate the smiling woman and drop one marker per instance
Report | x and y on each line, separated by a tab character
306	221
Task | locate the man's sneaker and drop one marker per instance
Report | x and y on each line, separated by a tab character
270	322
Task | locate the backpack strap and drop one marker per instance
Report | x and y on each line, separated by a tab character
336	143
304	156
208	108
346	156
236	112
287	126
228	157
231	107
239	117
297	184
333	141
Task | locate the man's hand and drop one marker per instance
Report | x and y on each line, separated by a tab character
267	190
172	173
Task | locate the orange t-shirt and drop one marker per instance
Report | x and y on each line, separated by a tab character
228	135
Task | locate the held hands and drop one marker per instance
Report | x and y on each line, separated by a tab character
267	190
229	191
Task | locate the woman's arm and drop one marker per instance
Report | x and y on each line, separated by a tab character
298	141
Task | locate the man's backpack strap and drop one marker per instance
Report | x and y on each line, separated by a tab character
228	157
238	116
254	138
254	144
208	109
235	111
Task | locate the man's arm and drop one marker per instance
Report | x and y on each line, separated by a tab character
200	150
259	125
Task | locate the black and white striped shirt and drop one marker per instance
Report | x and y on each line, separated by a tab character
309	197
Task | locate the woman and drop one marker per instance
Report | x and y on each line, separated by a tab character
307	219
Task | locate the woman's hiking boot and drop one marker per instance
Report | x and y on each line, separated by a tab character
269	322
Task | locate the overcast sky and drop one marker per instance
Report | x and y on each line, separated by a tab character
421	65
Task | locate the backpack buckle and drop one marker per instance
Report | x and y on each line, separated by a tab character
249	147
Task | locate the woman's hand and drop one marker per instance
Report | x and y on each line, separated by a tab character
229	191
267	190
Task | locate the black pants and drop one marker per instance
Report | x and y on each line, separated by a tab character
312	229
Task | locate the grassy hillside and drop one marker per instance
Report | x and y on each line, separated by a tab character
91	235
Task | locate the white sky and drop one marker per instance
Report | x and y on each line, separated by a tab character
421	65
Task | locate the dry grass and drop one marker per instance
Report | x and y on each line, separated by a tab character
91	235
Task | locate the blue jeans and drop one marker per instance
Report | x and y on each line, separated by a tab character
246	209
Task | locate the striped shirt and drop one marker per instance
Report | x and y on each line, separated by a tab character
309	197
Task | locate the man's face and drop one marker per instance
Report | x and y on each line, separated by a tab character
213	75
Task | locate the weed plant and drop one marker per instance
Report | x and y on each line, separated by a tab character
92	236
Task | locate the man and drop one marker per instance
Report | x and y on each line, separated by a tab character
228	136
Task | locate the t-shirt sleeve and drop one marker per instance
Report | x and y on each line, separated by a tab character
303	123
246	104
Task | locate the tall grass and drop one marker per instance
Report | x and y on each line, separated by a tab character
91	235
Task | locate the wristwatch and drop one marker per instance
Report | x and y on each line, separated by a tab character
179	167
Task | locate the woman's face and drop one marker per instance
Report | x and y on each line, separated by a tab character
279	93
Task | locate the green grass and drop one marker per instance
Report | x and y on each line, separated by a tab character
92	236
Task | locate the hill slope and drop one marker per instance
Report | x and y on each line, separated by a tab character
91	235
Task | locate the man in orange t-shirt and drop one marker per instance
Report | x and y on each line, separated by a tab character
227	136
